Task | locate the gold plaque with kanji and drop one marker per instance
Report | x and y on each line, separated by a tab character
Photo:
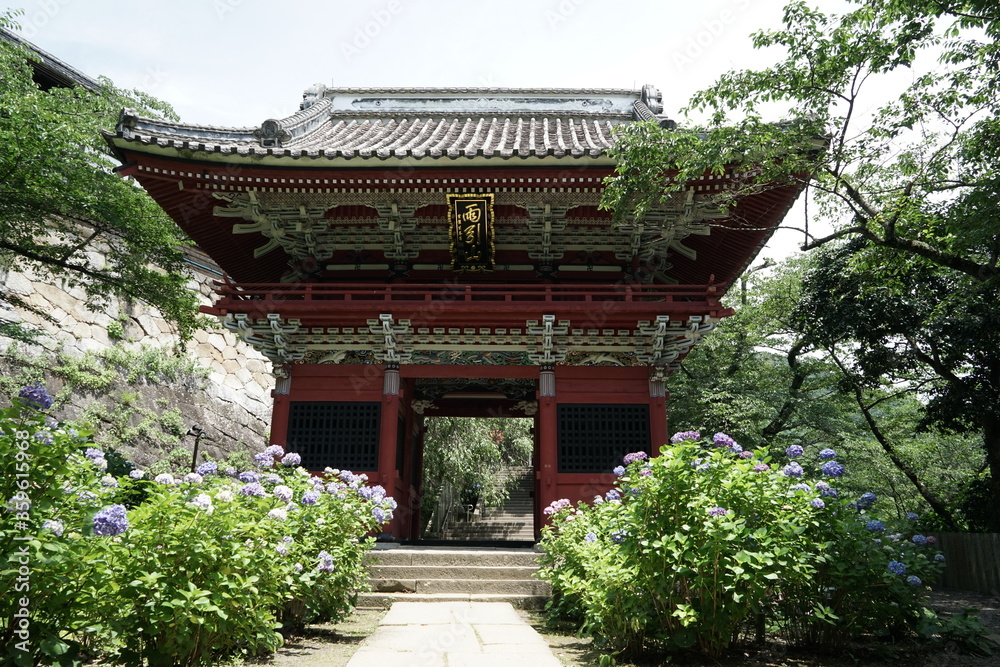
470	224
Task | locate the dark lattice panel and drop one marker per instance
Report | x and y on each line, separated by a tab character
334	434
594	438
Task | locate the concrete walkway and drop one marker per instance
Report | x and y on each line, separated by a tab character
453	634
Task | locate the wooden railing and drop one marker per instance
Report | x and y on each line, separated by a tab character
507	293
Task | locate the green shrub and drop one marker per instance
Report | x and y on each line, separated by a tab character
707	545
203	567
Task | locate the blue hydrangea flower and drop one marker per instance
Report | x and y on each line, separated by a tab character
896	567
618	536
590	537
613	494
253	489
248	477
736	449
207	468
793	469
310	497
817	503
717	511
827	454
291	459
231	472
619	471
867	500
800	487
274	450
939	558
830	492
833	469
876	526
380	514
263	460
111	521
685	435
912	516
919	540
282	492
36	396
44	437
794	451
325	561
914	580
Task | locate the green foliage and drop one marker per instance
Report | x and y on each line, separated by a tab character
201	571
62	205
466	454
701	547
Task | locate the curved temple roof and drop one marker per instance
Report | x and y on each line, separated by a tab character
336	124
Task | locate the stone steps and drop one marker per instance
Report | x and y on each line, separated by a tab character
513	522
454	575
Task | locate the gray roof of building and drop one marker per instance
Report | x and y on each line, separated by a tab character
364	123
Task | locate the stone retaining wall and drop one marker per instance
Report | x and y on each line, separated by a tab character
233	405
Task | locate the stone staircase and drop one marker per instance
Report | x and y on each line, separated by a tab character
514	522
443	574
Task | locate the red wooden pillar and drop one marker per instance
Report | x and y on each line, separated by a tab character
657	415
548	463
388	429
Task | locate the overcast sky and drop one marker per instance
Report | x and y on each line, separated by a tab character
239	62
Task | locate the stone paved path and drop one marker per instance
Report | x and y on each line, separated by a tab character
453	634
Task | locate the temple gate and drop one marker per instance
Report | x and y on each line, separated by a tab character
407	253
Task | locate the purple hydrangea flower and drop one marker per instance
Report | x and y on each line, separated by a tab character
590	537
635	456
723	440
717	511
919	540
44	437
274	450
193	478
165	478
111	521
613	494
645	472
896	567
202	501
291	459
556	506
833	469
736	449
310	497
761	467
914	580
325	561
618	536
248	477
685	435
282	549
282	492
263	460
380	514
875	526
619	471
36	396
827	454
207	468
794	451
817	503
231	472
793	469
136	474
56	527
270	478
800	487
746	455
253	489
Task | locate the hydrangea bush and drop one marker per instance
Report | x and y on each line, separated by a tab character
205	565
708	544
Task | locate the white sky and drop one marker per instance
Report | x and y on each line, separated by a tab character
239	62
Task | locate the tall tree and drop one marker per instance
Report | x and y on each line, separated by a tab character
892	118
64	213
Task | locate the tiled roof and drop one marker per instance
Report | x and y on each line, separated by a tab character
380	124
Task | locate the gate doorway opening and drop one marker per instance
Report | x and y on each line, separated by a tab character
478	480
